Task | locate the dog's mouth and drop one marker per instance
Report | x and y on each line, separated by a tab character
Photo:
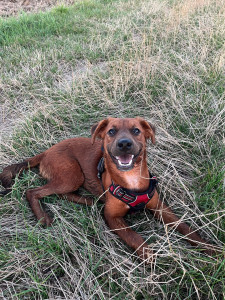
125	161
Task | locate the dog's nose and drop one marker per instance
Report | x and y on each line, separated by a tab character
124	144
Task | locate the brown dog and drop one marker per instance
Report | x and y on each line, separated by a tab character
73	163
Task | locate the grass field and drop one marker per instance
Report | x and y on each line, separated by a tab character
63	70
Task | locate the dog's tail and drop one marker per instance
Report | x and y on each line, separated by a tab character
10	172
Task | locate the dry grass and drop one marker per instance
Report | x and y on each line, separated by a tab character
157	59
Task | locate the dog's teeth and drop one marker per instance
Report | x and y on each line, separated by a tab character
124	164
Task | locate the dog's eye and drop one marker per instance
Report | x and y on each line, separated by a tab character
136	131
112	132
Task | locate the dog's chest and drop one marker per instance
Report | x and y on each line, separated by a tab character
132	181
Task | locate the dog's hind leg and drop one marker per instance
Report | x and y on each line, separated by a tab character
78	199
65	182
33	197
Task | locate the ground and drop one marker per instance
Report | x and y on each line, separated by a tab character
14	7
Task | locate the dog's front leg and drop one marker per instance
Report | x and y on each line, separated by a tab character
114	218
162	212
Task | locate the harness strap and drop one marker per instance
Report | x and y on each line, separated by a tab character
136	201
101	170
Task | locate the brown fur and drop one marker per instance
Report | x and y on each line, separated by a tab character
72	163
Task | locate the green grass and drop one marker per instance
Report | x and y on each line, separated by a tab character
60	21
63	70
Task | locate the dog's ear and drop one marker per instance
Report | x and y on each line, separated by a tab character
149	129
97	130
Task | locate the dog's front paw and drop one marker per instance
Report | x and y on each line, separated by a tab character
146	254
211	250
46	221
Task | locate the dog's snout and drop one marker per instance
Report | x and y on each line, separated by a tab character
124	144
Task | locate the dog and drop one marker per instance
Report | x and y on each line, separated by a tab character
113	160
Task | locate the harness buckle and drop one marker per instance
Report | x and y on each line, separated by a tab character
120	192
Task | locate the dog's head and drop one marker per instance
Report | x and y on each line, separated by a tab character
124	140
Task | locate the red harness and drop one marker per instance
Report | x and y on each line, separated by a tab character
136	201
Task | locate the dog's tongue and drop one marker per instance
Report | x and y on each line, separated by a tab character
125	159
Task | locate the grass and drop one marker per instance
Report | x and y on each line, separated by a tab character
65	69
